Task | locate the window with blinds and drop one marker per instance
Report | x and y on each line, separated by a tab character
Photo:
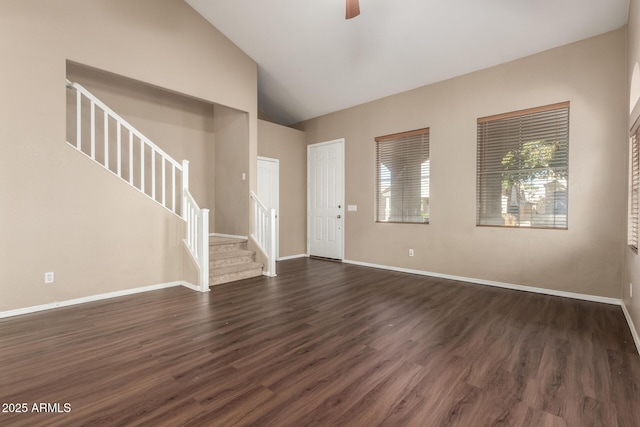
523	167
634	184
402	177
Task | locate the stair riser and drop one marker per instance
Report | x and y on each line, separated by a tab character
215	263
229	260
231	277
228	247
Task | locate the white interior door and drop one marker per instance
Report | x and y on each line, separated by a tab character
325	199
269	190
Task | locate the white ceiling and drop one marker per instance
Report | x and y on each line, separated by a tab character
311	61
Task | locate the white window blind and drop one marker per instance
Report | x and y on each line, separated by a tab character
522	168
402	177
634	188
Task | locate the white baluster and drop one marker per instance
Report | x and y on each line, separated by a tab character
194	230
153	174
262	235
185	186
255	217
173	188
93	130
106	139
191	213
119	148
142	165
259	226
164	183
130	157
78	120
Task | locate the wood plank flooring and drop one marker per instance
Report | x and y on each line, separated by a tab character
324	344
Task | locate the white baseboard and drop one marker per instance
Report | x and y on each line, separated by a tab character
585	297
233	236
634	331
285	258
193	287
91	298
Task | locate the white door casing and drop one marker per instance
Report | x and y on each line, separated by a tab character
268	190
325	199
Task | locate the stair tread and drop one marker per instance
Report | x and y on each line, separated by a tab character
218	240
230	254
235	268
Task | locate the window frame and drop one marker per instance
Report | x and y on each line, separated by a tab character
480	164
387	138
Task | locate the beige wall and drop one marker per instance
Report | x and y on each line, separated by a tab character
632	261
232	160
61	213
289	147
586	258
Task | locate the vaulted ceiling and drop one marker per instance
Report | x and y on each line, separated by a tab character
312	61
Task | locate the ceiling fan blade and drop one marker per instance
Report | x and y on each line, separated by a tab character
353	8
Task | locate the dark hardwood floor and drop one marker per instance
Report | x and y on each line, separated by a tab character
324	344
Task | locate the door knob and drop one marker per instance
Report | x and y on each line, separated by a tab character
339	216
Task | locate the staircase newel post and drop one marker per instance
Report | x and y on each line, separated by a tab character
272	242
185	188
204	251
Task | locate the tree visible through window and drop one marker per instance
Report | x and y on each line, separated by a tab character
522	168
402	177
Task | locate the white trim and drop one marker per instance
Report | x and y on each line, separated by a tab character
193	287
585	297
92	298
285	258
233	236
634	331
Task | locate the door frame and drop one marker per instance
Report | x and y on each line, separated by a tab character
341	141
277	163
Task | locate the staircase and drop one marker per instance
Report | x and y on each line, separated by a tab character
113	143
229	260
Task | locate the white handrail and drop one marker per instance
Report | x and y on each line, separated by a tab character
197	238
264	231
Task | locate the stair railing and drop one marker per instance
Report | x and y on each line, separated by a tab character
197	240
116	145
264	231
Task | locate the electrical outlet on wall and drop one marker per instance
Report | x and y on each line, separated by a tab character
48	277
410	252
